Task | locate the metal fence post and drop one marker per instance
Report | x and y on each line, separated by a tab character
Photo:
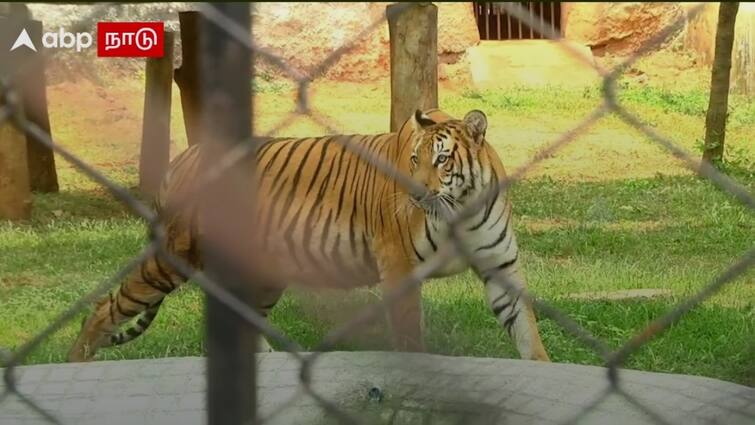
225	73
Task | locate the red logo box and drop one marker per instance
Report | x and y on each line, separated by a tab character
130	39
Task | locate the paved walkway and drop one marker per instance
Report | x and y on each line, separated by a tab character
384	388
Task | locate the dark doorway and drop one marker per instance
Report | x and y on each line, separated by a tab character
495	24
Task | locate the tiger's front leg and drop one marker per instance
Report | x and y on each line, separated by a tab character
404	313
503	288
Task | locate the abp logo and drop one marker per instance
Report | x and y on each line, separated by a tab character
60	39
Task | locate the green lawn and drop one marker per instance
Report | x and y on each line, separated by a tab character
611	211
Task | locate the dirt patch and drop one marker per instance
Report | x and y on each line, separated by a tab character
622	295
674	69
101	124
545	225
23	280
608	151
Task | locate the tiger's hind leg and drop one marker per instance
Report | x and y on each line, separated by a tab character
266	298
141	293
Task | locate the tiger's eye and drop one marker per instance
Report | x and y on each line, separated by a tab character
442	158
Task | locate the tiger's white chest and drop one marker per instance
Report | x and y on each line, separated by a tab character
429	239
486	237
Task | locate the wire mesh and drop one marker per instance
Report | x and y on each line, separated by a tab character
614	359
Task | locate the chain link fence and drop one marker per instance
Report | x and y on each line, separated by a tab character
228	156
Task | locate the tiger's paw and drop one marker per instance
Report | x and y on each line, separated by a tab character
80	354
264	346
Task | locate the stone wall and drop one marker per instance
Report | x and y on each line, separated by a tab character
306	33
616	28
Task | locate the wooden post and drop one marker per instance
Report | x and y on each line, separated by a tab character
187	76
15	193
414	60
155	149
226	207
40	158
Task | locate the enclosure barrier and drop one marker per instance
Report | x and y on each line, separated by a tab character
231	362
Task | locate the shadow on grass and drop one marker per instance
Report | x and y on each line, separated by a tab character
95	204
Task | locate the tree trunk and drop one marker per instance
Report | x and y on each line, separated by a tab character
155	151
33	90
187	76
15	195
414	60
42	174
715	121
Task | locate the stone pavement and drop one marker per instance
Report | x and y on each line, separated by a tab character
376	387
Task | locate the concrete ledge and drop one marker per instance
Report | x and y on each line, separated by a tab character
376	387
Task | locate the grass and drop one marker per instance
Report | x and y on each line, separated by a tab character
612	211
686	102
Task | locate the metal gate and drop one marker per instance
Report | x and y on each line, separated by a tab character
495	24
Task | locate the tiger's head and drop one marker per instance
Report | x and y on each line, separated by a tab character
446	159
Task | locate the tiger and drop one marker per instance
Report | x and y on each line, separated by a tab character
329	216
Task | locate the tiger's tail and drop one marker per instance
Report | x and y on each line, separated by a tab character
179	166
134	331
137	301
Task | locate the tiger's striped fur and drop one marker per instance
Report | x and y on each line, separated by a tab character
327	217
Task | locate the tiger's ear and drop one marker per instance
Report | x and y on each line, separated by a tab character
421	121
477	123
